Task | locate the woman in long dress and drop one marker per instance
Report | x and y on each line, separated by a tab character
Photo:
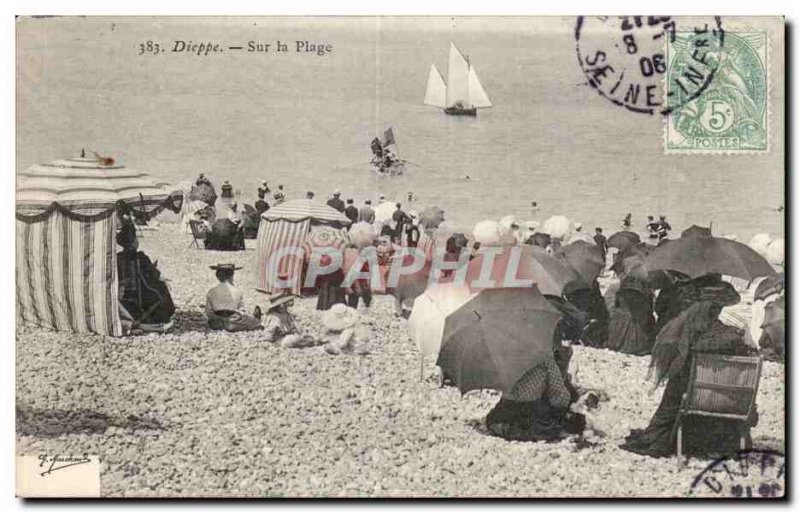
632	325
695	330
330	287
538	406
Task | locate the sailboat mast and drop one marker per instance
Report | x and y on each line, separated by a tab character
468	67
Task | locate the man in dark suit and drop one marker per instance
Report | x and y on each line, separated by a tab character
601	241
336	202
351	211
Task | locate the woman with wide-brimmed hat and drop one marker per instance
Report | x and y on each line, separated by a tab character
225	304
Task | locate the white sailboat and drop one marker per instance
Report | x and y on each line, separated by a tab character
463	94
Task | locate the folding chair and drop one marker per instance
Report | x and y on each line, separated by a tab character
198	233
720	386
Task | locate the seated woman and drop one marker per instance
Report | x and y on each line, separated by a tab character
537	408
590	300
225	235
681	293
142	293
251	219
632	325
225	304
695	330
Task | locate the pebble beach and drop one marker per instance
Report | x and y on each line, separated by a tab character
215	414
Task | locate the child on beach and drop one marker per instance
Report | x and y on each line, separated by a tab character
280	325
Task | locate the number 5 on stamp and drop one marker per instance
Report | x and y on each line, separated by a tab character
731	115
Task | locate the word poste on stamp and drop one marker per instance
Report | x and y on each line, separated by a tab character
749	474
732	113
624	59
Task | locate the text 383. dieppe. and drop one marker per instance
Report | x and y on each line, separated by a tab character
206	48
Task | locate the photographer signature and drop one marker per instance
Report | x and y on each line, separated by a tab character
58	462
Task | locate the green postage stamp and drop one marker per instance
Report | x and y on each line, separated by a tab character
731	114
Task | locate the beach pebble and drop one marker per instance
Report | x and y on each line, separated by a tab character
197	413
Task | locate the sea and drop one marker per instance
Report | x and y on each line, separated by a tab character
305	120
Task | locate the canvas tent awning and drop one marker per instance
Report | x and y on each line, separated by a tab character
89	186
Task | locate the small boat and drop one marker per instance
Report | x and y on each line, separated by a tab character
463	94
386	156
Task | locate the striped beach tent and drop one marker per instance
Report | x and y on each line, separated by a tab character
282	237
66	266
302	209
274	236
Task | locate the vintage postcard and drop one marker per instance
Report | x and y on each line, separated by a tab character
400	257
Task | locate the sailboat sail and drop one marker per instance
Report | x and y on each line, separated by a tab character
457	78
477	95
436	93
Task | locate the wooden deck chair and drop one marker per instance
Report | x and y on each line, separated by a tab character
198	233
720	386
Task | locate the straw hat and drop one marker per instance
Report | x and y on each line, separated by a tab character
340	317
225	267
278	299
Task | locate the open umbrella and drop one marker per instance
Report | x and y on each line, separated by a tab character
547	272
539	239
770	285
586	258
759	243
90	185
384	212
324	237
496	337
702	254
556	226
426	323
487	232
456	243
580	236
362	234
623	239
203	192
509	223
431	217
527	229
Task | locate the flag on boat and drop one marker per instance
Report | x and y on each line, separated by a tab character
388	136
